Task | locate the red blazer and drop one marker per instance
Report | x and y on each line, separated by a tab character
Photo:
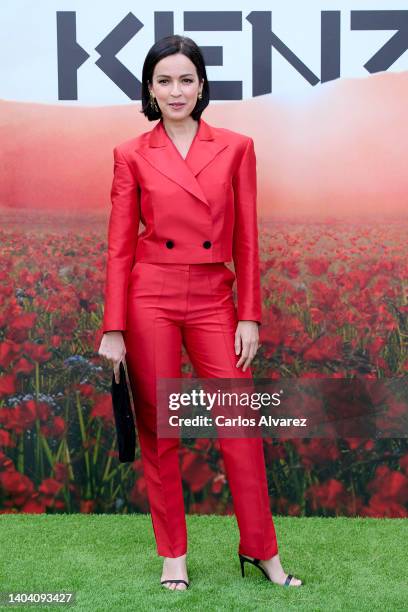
199	210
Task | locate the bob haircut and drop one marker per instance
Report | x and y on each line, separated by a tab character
169	45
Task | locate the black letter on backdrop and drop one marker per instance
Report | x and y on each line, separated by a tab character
262	39
330	46
216	21
109	63
70	56
383	20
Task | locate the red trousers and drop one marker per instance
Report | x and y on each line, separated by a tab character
171	304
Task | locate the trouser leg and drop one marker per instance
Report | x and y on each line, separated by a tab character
153	350
208	334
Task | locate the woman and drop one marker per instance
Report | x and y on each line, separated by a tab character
193	186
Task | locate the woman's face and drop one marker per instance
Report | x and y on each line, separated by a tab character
175	80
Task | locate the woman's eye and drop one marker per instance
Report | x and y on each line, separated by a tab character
166	80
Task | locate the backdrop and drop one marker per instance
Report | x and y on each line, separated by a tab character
324	95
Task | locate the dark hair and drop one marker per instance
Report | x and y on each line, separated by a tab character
169	45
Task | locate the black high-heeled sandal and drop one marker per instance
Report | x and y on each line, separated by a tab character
176	580
255	562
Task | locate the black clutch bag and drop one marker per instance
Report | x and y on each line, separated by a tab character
124	421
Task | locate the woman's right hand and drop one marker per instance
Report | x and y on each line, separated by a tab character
113	348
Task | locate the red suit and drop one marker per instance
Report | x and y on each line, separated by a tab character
169	285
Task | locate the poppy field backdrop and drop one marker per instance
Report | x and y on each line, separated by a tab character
333	231
334	303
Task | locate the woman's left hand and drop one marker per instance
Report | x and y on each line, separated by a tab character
247	339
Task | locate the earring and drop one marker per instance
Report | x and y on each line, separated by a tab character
200	95
153	103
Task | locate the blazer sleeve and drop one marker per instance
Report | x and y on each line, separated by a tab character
245	250
123	232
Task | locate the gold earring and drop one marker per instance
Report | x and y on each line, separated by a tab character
153	103
200	95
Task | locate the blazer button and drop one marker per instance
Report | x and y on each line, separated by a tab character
207	244
169	244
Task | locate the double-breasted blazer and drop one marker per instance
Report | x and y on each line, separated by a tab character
200	209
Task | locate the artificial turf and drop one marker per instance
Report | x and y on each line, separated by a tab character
111	563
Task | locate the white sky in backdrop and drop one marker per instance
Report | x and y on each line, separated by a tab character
28	50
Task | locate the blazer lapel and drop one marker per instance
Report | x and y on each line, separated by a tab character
160	151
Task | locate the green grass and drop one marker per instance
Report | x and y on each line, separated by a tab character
111	562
